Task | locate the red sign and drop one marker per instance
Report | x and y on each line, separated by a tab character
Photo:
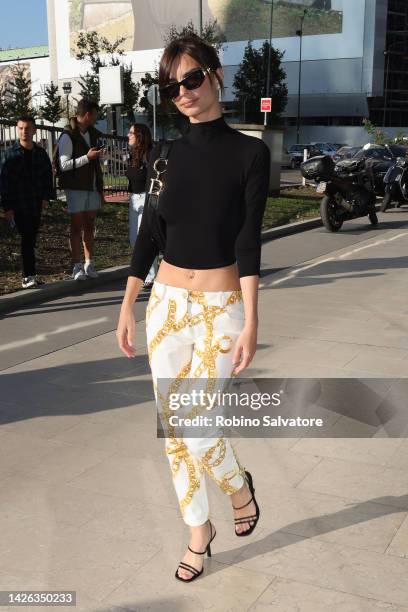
266	105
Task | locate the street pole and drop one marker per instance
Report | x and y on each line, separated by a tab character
114	120
67	88
200	16
300	34
268	74
387	53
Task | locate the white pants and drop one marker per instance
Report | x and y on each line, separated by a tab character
136	203
191	335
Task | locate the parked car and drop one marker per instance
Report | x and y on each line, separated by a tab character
374	151
324	148
345	152
312	151
291	159
337	145
398	150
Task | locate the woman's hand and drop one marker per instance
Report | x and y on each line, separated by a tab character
125	332
245	347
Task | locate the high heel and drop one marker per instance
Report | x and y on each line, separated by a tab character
254	518
193	570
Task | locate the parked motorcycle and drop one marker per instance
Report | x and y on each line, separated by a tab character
396	184
378	158
348	190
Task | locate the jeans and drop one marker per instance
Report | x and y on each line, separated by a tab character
28	224
191	336
136	203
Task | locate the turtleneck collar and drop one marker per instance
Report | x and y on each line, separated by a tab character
206	129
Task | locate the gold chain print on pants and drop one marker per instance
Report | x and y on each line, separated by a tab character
210	352
207	354
236	296
209	462
176	447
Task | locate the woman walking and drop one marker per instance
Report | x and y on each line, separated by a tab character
140	143
201	319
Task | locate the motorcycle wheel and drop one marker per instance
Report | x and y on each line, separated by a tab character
386	201
373	218
332	221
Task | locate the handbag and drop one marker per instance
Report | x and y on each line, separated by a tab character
156	222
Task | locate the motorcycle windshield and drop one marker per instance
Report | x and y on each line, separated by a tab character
392	172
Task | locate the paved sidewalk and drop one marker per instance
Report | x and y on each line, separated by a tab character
86	496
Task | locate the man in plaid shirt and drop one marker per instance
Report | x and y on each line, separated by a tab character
26	186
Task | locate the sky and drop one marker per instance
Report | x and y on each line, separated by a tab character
23	23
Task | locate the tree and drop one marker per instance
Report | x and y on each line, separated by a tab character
52	109
131	92
91	47
211	33
172	118
18	92
166	119
4	105
250	81
381	136
89	88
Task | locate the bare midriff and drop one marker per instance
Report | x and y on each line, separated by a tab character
215	279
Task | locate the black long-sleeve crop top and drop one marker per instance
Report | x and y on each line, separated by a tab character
216	185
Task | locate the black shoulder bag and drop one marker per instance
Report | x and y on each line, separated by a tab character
156	222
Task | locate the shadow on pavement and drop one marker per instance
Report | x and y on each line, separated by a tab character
79	388
343	269
318	525
45	307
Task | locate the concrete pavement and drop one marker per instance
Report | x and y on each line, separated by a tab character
12	301
86	496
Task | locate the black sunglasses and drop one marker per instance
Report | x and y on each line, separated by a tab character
194	80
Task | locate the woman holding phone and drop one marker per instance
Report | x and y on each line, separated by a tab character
202	315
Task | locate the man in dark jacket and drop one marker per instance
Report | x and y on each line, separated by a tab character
26	186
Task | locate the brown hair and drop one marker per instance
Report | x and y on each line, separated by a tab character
194	46
27	119
86	106
144	144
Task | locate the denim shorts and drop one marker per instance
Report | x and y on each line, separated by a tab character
81	201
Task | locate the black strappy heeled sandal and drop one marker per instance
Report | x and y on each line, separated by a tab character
248	519
193	570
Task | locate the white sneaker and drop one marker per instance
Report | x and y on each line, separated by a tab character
90	271
78	273
29	282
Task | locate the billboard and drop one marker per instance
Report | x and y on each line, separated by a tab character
144	23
